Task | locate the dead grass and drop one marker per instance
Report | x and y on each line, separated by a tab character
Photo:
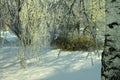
73	44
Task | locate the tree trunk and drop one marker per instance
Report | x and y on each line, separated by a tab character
111	54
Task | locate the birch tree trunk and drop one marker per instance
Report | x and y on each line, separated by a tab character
111	54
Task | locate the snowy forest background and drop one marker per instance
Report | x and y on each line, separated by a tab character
34	33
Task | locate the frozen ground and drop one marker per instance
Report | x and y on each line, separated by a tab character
69	66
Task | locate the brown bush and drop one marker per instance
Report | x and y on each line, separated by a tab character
73	44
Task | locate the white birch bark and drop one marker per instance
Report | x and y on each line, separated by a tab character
111	53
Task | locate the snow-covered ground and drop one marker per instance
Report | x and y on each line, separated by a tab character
69	66
8	35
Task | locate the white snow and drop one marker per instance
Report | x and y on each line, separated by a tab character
74	65
8	35
69	66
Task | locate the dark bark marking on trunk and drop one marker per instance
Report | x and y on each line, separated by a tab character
106	35
106	76
111	25
112	49
113	1
115	76
116	56
113	68
107	40
103	54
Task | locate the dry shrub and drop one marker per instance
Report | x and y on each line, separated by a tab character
74	43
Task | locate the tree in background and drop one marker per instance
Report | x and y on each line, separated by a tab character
60	17
37	22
